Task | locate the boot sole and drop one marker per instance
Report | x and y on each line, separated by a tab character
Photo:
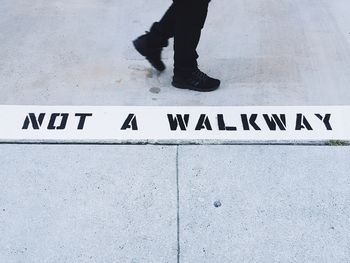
184	86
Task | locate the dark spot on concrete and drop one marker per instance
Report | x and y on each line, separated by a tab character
332	227
217	203
4	209
154	90
154	98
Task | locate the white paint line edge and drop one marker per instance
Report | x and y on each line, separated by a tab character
180	125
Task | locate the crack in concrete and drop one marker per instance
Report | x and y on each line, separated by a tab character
178	204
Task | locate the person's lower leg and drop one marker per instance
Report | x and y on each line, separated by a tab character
165	26
191	16
189	22
150	45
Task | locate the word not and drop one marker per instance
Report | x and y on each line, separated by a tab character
57	121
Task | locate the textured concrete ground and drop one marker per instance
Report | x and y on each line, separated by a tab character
266	52
215	204
174	204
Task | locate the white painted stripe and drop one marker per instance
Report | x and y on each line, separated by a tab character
104	123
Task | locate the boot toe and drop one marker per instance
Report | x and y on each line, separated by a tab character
192	82
157	64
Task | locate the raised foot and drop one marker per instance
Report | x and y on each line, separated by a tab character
153	54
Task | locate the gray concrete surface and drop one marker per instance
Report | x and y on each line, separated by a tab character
278	204
266	52
87	204
77	203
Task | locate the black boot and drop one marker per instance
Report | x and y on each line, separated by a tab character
195	80
150	46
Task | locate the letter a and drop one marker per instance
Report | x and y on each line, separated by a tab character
203	123
302	123
130	122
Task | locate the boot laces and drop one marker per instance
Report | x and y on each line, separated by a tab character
200	75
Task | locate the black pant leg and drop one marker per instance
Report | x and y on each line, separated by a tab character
184	21
190	19
165	27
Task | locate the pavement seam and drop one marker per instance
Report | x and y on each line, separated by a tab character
178	204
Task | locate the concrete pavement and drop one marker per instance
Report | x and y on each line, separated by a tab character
265	52
174	203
